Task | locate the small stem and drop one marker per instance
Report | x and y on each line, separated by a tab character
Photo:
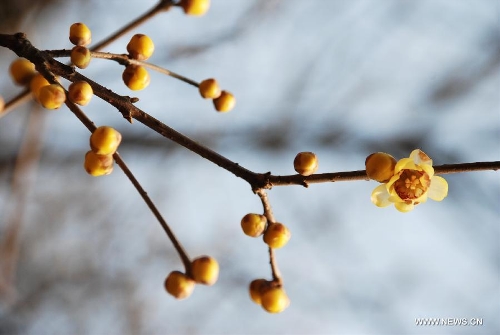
18	100
163	5
125	59
466	167
177	245
268	213
119	161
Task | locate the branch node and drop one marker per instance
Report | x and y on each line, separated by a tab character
126	113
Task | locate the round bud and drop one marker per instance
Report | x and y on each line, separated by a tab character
80	93
305	163
275	300
98	165
36	83
225	102
277	235
80	56
105	140
205	270
209	89
79	34
136	77
51	96
179	285
22	70
195	7
140	47
253	225
380	166
256	288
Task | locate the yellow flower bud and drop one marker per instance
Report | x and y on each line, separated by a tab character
98	165
136	77
105	140
80	56
195	7
179	285
305	163
256	288
51	96
140	47
22	70
79	34
275	300
80	93
277	235
380	166
205	270
36	83
253	225
225	102
209	89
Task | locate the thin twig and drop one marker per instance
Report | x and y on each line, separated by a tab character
177	245
163	5
298	179
124	59
268	213
18	100
119	161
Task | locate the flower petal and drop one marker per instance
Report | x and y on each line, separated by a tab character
380	196
427	169
438	189
404	163
421	199
420	158
404	207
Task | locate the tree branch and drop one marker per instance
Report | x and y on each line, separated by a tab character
48	67
163	5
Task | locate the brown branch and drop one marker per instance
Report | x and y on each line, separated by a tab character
43	62
43	69
298	179
19	44
119	161
268	213
177	245
163	5
18	100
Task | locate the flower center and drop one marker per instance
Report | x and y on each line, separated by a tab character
411	184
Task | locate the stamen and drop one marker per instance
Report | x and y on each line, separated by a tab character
411	184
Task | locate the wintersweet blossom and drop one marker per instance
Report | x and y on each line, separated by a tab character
412	183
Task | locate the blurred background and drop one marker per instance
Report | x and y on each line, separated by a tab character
340	78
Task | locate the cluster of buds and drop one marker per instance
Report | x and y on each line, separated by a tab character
203	270
104	142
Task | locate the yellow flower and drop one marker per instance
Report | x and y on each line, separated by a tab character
412	183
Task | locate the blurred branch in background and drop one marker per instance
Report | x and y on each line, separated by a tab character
24	174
